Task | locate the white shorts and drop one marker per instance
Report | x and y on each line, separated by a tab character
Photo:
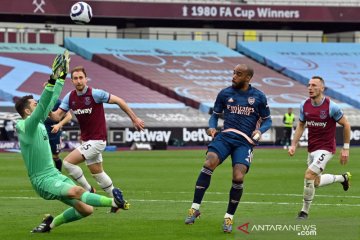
318	159
92	151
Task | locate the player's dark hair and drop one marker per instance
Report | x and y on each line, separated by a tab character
23	103
78	69
250	71
320	78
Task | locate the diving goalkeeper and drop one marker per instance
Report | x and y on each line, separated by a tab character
46	180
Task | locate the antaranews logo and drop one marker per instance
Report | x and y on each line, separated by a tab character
244	228
299	229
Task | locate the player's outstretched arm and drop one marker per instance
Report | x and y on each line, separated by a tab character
41	111
59	75
138	123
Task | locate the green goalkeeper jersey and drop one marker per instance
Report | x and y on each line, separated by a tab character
34	143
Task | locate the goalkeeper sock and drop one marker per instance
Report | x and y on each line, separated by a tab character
96	200
234	197
202	184
69	215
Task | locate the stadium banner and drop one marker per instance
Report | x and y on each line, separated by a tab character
175	136
9	145
354	136
188	11
181	136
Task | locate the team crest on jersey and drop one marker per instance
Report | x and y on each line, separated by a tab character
323	114
87	101
73	103
251	100
231	100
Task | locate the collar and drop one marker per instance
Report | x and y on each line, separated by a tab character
321	102
83	91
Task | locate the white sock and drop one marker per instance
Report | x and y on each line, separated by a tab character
104	182
339	178
77	174
327	179
195	206
229	216
309	192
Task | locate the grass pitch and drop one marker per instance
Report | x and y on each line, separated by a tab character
159	185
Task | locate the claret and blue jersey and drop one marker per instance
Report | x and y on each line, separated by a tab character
89	111
321	123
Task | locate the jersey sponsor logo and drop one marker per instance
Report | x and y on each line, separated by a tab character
316	124
240	110
323	114
82	111
251	100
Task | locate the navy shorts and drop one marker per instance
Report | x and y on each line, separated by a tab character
55	145
225	144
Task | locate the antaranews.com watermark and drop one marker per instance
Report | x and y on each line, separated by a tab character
298	229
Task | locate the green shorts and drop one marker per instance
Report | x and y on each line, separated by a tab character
53	186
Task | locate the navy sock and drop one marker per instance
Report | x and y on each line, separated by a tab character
58	163
202	184
235	195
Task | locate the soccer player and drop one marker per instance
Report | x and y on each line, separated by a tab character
320	114
246	117
46	180
54	132
87	105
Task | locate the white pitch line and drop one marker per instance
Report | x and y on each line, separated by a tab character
257	194
222	193
214	202
250	203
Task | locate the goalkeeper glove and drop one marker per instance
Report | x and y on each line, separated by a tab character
56	67
65	65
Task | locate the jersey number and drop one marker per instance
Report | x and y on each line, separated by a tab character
322	157
87	146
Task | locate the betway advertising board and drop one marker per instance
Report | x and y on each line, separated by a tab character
188	136
198	136
125	137
170	136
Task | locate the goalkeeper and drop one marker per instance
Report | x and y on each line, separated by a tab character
47	181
